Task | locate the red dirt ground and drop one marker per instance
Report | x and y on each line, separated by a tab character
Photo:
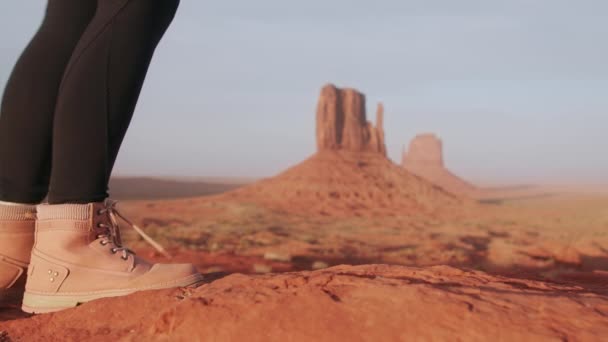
363	303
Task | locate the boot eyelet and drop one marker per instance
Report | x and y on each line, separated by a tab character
103	243
99	212
113	250
99	225
123	258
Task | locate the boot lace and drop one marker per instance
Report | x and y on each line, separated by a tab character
111	235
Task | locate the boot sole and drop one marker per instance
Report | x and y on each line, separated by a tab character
38	304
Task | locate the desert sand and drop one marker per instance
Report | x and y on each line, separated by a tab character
349	246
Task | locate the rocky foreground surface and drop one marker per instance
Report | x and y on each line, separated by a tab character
343	303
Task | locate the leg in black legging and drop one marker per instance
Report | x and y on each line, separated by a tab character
98	95
28	104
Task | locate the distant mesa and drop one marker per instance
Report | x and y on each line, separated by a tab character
342	122
350	174
426	150
424	158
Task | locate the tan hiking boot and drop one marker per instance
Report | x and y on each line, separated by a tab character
17	225
78	257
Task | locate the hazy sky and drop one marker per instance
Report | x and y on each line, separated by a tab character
517	89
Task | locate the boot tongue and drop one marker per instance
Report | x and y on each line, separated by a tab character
105	223
101	223
115	229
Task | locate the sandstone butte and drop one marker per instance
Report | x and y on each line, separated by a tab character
424	158
342	122
349	175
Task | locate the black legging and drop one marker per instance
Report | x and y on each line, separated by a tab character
71	96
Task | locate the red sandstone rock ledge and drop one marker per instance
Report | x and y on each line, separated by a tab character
344	303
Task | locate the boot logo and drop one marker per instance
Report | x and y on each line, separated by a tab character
52	275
